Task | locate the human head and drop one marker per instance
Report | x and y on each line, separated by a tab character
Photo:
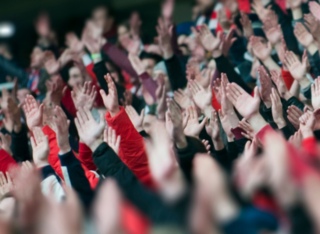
75	77
37	57
123	30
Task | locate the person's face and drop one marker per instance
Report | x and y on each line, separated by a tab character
99	17
114	74
36	57
75	77
22	94
148	122
123	32
148	65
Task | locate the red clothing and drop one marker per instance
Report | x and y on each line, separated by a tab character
298	167
132	151
287	77
54	161
68	103
6	161
85	157
214	102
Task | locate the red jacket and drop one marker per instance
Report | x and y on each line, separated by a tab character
132	151
54	161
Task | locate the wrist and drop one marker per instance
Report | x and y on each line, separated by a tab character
257	122
281	123
41	164
114	111
64	149
296	13
216	53
180	139
230	138
17	127
287	95
304	82
268	104
95	144
312	48
167	53
207	111
307	133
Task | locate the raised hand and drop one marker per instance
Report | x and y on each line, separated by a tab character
207	145
313	24
248	130
314	8
246	25
84	96
6	184
262	12
227	42
293	4
315	94
161	98
208	40
277	112
136	119
55	90
174	124
135	24
93	43
296	139
246	105
75	45
110	100
281	85
202	97
272	31
226	105
40	147
33	112
109	137
51	64
89	130
167	10
226	125
131	46
193	127
61	128
164	36
297	69
127	101
182	99
136	64
5	142
294	113
303	36
266	85
307	124
260	50
281	51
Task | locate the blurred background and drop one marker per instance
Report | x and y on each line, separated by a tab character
67	15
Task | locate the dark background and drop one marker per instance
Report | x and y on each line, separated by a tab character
67	15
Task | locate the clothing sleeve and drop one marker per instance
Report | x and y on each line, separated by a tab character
287	78
110	165
315	63
296	102
186	155
224	66
6	161
222	157
240	145
150	84
176	75
132	151
85	157
120	59
100	71
20	146
51	182
14	71
287	132
74	177
300	220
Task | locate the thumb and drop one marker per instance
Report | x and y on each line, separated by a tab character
142	113
204	121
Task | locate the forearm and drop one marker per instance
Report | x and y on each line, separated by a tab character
149	84
176	74
271	64
19	145
119	58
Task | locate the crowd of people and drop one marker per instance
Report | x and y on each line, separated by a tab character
213	127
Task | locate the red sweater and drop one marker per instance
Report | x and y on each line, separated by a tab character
54	161
132	151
